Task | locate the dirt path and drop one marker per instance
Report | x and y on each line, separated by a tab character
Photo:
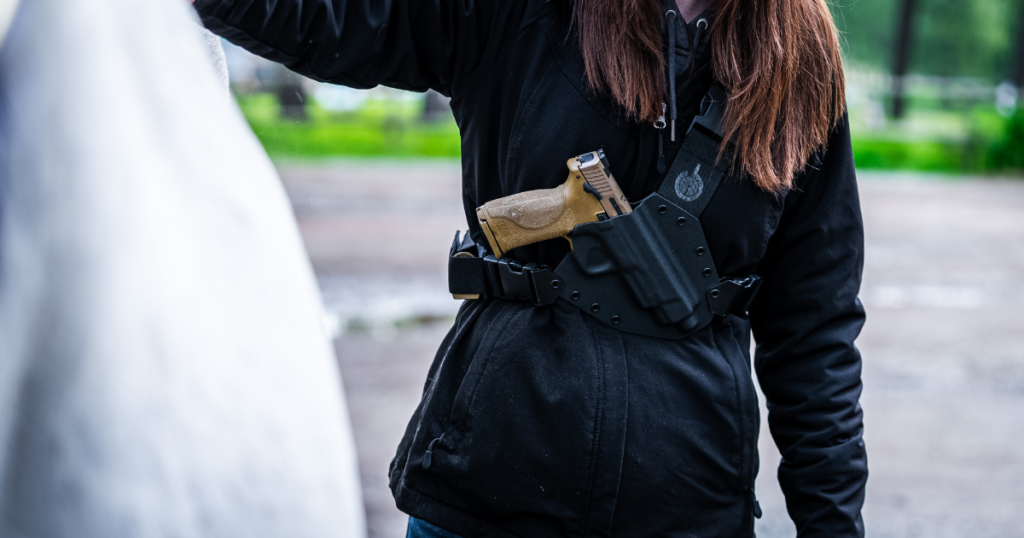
943	359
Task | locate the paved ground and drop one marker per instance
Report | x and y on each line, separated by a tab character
943	371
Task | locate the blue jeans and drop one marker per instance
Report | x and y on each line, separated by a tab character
421	529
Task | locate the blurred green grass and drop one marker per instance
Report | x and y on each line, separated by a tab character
966	140
935	139
377	128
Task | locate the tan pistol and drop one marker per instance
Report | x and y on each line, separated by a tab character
588	195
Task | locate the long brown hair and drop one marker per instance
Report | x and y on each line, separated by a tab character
779	60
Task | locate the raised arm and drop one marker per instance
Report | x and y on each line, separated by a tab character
805	320
406	44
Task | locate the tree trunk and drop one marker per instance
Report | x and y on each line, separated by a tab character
290	94
1018	61
901	55
435	106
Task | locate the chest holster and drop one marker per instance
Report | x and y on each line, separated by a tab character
649	272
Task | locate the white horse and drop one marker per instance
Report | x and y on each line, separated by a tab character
163	367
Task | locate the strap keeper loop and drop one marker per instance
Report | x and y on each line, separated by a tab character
733	295
471	277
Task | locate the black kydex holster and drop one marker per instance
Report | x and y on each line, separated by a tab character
649	272
642	272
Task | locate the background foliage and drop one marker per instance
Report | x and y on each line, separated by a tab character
960	51
974	38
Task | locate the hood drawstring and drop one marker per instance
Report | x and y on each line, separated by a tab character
671	15
660	126
702	25
673	51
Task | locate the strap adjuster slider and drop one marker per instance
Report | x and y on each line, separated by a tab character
733	296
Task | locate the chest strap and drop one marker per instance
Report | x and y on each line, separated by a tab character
697	170
648	273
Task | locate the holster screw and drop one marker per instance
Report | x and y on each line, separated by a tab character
700	251
595	307
715	294
681	221
575	295
662	209
707	271
555	284
616	320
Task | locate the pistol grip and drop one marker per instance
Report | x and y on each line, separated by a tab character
525	218
532	216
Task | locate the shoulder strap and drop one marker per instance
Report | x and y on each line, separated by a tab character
697	171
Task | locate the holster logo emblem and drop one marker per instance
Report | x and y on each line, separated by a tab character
689	186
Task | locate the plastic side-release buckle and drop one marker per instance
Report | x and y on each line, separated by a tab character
466	279
532	283
712	112
473	274
733	295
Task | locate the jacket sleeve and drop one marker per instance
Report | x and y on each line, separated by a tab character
805	320
406	44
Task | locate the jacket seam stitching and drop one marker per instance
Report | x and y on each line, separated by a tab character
471	397
585	97
500	60
515	136
340	79
596	443
741	421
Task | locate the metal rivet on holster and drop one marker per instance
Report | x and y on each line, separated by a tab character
681	221
575	295
555	284
616	320
707	271
662	209
700	251
595	307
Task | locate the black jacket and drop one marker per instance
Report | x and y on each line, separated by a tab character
541	421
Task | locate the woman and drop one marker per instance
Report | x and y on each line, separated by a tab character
543	421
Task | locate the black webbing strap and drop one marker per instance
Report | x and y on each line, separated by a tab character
474	274
697	171
691	182
695	175
733	296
